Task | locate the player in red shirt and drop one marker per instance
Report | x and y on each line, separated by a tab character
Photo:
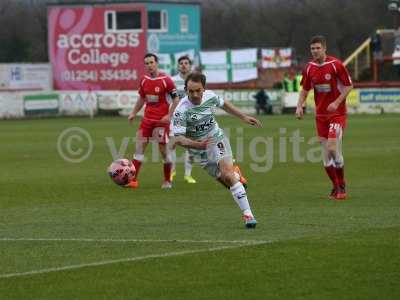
153	93
331	83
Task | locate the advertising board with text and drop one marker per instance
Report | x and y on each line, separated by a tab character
97	47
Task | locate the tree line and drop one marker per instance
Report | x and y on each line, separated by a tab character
225	24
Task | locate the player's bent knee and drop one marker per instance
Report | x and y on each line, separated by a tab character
332	153
331	147
339	161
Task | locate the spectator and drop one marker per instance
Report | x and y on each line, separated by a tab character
262	104
287	83
396	59
396	37
376	46
296	83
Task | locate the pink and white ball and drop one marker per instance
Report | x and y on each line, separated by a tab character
121	171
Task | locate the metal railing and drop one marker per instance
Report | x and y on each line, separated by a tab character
359	60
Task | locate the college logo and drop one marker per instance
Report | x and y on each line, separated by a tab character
328	76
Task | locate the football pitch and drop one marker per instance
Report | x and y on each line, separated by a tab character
68	232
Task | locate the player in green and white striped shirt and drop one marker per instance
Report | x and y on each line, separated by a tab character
184	68
195	127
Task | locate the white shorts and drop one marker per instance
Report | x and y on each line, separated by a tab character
210	157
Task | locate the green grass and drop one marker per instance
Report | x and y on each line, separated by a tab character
305	246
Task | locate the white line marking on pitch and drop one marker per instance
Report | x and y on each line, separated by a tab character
129	259
128	240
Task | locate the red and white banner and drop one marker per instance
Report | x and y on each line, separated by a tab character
87	52
276	58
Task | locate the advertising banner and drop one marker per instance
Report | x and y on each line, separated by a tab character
126	102
11	105
380	96
178	27
241	98
41	104
107	100
74	103
353	98
4	77
25	77
97	47
117	100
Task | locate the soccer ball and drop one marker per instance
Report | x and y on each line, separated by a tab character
121	171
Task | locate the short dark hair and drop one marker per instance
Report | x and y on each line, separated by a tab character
151	55
318	39
184	57
196	77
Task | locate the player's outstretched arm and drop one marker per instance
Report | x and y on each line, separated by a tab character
234	111
189	143
138	106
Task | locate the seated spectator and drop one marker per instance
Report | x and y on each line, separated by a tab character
262	102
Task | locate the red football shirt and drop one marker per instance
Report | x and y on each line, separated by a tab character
327	80
155	93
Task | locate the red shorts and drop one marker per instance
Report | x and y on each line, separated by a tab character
153	129
327	126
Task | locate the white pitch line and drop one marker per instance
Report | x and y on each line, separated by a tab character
128	240
123	260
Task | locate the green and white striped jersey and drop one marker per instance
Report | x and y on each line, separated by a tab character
180	85
197	122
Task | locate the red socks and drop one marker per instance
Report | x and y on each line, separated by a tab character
336	175
167	171
331	171
137	164
340	175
